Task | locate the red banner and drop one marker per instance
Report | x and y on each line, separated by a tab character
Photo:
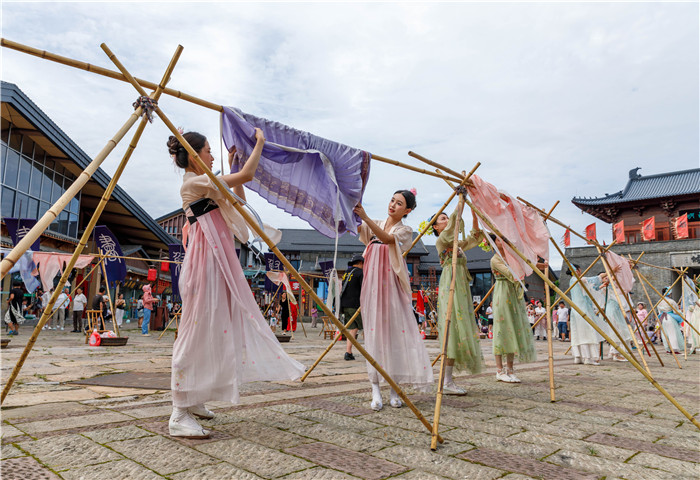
682	226
420	304
649	229
619	232
567	238
590	232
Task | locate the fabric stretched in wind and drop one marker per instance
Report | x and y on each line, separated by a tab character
312	178
520	224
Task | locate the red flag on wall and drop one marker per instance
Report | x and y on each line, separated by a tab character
420	304
649	229
567	238
619	232
682	226
590	232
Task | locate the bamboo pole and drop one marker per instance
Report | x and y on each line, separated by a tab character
174	319
568	300
446	327
111	304
91	225
661	297
413	244
256	228
330	346
436	165
613	280
548	312
273	297
411	167
147	260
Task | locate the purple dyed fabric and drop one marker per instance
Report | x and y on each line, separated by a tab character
298	171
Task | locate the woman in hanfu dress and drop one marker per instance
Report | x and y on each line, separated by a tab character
223	339
671	321
585	340
463	349
511	330
391	333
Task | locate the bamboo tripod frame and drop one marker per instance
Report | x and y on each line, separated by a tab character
93	220
413	244
446	328
628	356
256	228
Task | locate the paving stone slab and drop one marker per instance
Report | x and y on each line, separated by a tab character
329	418
496	442
255	458
495	426
118	470
34	413
335	407
319	473
603	466
419	475
149	412
435	462
343	438
525	465
678	467
355	463
289	408
635	444
10	431
222	418
399	436
113	434
273	419
25	468
219	471
10	451
267	436
68	451
161	454
580	446
600	407
66	423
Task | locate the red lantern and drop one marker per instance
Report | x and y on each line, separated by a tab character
152	274
164	267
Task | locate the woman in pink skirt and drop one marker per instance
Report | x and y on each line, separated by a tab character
391	331
223	339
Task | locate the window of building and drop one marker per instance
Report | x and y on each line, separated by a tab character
481	283
31	182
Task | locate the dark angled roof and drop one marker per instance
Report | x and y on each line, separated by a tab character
649	187
305	240
174	213
477	260
126	218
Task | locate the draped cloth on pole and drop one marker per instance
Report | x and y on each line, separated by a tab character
108	245
272	263
18	228
624	273
312	178
26	268
520	224
51	264
281	277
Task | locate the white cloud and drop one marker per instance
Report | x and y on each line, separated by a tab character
556	100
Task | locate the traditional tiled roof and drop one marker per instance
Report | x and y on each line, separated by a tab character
306	240
649	187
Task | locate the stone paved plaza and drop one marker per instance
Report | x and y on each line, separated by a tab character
608	421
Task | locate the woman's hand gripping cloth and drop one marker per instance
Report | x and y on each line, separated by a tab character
520	224
301	173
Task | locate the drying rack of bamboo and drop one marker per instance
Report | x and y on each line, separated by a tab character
149	103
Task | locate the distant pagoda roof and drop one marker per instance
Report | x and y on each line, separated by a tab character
644	189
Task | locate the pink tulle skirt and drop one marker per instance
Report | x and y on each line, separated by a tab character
223	339
390	328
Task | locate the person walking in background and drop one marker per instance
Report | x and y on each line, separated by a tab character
120	306
79	303
563	322
314	315
148	305
350	299
13	316
59	315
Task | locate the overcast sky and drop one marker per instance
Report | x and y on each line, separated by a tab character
555	100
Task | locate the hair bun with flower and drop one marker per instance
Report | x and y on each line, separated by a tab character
413	191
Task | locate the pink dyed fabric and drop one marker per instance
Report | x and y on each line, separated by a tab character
50	264
390	328
519	223
223	339
624	275
276	278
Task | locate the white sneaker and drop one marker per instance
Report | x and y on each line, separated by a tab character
577	361
62	328
513	378
451	388
595	363
182	424
502	376
618	358
201	411
376	404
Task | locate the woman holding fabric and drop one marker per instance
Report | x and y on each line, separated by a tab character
511	331
223	339
391	332
672	337
463	350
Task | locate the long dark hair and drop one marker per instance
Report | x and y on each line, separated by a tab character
179	153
